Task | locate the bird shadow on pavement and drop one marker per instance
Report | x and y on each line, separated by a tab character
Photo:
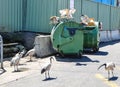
100	53
22	64
83	59
48	79
113	78
21	70
80	64
31	61
16	71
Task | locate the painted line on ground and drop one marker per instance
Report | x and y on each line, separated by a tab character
106	81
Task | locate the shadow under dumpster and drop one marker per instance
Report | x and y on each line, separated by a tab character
100	53
69	59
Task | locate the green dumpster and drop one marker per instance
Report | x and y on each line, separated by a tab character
67	38
91	37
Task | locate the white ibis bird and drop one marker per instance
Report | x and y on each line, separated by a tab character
30	53
47	68
22	53
15	61
109	67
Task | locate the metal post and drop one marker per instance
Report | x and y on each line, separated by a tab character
1	51
1	55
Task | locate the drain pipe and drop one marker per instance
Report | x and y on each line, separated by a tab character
1	55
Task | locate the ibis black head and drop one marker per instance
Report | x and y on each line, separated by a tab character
51	58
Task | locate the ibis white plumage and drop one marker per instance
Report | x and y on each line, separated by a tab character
47	68
109	67
15	60
30	53
22	53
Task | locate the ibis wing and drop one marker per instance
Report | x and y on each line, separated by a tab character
43	70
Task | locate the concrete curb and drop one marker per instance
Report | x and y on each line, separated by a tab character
109	35
43	46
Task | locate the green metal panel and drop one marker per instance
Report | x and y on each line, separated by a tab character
1	9
115	18
10	14
39	12
118	18
89	8
33	15
78	7
85	7
108	15
104	16
62	4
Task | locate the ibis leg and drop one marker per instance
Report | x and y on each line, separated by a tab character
108	74
45	75
112	73
48	74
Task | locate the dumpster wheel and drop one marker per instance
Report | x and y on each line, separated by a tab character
96	49
79	54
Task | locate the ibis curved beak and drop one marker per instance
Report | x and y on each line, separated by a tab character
101	66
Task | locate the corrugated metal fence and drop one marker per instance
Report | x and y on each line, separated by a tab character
39	12
29	15
109	15
33	15
11	14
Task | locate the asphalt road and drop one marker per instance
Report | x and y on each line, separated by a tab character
75	72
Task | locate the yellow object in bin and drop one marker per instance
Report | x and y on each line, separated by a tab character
91	22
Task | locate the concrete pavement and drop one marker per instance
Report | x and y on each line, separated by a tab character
25	68
67	72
